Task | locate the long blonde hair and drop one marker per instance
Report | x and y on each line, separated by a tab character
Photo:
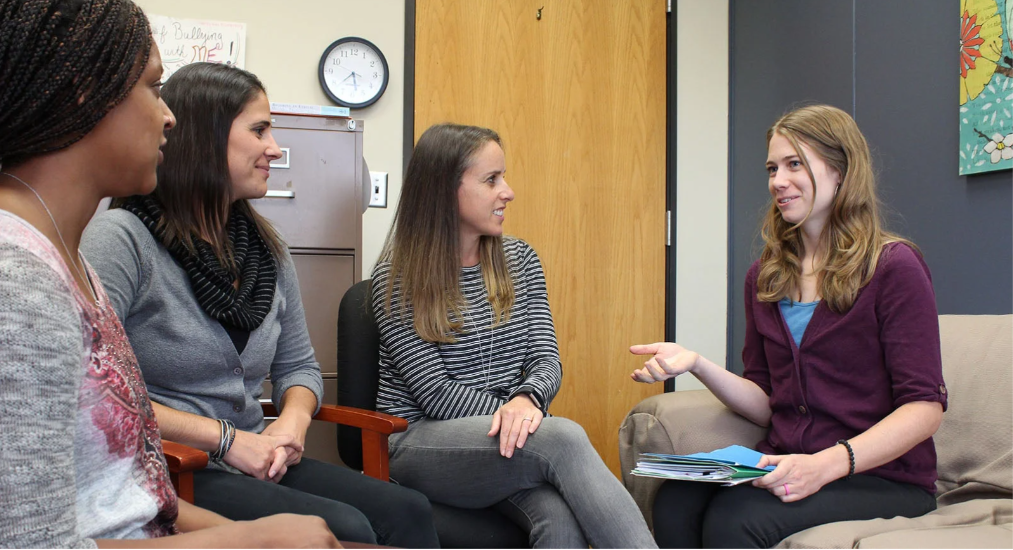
423	246
853	237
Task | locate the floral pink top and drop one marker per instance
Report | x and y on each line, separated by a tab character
80	449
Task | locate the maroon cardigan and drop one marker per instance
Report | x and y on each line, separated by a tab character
851	370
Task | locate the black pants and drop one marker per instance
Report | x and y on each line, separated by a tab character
689	514
356	507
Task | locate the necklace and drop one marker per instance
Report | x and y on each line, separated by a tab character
486	368
66	248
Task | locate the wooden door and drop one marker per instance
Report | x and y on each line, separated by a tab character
578	96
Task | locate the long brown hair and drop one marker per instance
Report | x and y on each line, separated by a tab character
423	246
194	185
853	237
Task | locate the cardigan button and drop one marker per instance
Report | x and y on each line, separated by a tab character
238	370
237	408
942	389
801	409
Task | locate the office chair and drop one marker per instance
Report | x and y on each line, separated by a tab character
358	381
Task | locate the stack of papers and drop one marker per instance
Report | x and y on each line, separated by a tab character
730	466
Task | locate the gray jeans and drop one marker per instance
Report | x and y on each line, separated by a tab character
557	482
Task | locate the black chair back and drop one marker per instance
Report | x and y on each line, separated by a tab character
358	381
358	365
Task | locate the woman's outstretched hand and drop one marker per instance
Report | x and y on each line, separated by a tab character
514	422
668	360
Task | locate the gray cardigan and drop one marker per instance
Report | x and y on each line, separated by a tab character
187	358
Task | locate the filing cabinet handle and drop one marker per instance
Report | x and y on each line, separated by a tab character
270	413
285	161
275	194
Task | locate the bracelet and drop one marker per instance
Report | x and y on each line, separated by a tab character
232	437
851	457
222	438
227	435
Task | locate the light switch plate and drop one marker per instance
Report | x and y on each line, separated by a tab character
378	190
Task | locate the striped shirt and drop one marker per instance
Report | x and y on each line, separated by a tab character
487	366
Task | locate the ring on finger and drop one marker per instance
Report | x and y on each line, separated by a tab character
786	491
528	419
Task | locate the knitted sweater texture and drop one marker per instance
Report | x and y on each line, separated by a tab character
80	453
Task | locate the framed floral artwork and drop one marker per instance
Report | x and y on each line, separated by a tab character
986	85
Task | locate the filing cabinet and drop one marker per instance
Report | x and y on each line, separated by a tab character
315	201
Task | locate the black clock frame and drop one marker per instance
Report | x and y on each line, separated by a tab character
323	82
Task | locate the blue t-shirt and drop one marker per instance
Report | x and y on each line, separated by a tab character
797	315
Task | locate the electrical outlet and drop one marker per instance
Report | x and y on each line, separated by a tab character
378	190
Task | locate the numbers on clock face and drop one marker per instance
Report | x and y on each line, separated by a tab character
354	72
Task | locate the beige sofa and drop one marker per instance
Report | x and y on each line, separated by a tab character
974	447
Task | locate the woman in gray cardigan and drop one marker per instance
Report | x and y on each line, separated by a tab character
209	298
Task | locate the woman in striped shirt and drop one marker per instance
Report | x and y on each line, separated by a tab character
468	356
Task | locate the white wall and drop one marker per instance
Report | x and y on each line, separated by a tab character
284	42
702	181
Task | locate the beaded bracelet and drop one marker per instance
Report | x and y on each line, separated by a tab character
851	457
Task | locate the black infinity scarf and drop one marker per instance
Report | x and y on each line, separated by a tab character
244	308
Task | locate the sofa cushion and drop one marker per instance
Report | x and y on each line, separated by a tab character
978	522
977	536
974	444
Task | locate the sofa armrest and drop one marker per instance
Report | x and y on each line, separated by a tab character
682	422
979	523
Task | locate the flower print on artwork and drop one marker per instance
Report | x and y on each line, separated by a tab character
1000	148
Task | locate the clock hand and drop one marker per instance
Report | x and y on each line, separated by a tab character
355	85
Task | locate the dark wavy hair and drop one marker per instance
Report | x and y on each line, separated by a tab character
194	185
64	64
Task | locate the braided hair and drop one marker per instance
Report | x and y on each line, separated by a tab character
64	64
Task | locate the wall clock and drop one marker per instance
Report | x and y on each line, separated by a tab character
353	72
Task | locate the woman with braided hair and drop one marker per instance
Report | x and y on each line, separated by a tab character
209	298
81	463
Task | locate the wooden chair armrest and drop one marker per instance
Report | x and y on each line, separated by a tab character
182	458
376	428
182	462
351	416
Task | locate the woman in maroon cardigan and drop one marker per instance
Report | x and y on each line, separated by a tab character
842	359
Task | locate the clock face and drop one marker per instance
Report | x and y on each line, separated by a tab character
353	72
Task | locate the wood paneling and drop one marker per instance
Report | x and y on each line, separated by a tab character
579	99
